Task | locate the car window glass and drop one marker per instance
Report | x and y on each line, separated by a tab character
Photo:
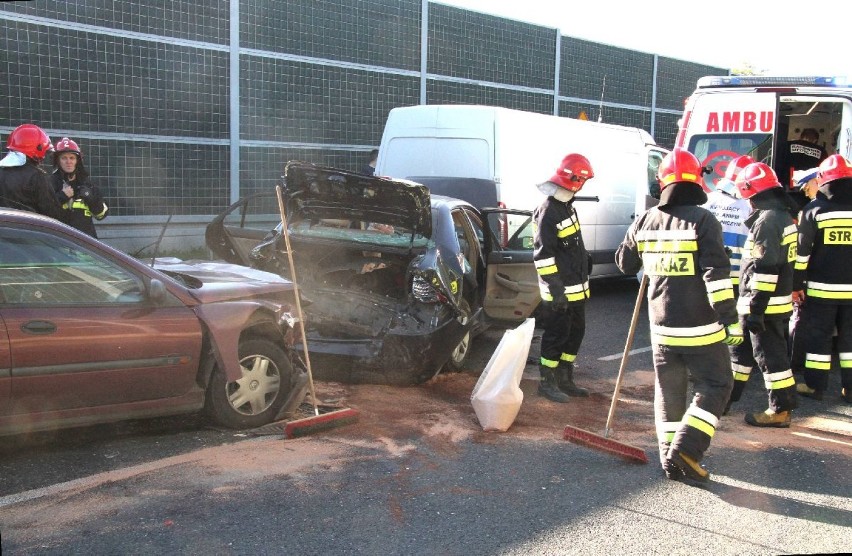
41	269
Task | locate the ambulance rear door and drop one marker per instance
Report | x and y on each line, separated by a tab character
722	125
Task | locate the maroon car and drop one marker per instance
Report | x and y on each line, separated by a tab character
91	335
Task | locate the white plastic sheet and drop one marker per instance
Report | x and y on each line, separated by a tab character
497	396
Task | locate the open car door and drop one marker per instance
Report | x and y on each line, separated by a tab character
511	290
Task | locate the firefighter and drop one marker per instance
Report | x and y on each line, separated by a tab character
691	309
83	201
823	270
563	267
23	185
731	211
765	303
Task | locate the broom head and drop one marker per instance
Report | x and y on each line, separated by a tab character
598	442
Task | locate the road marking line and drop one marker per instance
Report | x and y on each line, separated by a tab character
618	355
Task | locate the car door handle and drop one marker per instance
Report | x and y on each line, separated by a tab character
38	327
506	258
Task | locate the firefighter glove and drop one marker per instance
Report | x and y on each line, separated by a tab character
755	323
734	334
559	304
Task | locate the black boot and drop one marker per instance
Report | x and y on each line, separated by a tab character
565	373
549	387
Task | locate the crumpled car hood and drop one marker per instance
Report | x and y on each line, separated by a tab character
213	281
317	192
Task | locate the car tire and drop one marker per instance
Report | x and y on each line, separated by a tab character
460	353
255	399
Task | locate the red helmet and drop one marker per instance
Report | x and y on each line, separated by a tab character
573	172
834	167
756	178
29	140
680	165
736	166
66	145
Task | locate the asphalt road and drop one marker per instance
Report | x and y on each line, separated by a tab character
177	486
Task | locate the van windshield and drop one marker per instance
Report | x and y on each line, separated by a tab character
716	150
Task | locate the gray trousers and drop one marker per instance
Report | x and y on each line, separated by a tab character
689	429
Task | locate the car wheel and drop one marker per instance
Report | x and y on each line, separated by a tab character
256	398
459	356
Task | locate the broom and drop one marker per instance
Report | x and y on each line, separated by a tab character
603	443
331	419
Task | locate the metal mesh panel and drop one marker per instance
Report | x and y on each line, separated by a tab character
67	79
488	48
676	80
140	178
666	131
611	115
448	92
377	32
584	65
181	19
294	101
262	168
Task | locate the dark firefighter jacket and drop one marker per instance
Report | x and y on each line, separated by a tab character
679	244
766	274
87	203
560	256
26	188
824	258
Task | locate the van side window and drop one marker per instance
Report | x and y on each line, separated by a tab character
654	160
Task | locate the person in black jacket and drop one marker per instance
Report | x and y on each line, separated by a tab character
23	185
563	267
82	200
691	310
823	276
766	303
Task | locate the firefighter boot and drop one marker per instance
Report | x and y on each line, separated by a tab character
769	418
808	392
565	380
689	469
549	386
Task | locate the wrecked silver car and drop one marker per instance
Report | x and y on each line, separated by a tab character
395	283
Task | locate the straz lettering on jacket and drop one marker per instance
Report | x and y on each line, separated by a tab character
836	226
567	230
668	252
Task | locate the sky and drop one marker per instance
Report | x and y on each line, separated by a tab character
783	40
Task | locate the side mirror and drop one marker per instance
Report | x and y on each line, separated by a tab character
156	291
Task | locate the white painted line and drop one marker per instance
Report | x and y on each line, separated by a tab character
618	355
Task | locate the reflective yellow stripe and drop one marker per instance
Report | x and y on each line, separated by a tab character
545	270
777	381
833	222
716	297
704	340
550	363
845	360
700	419
567	227
677	246
666	430
572	293
764	286
777	305
741	372
829	291
568	357
818	361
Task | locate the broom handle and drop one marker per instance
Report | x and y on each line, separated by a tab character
298	297
627	345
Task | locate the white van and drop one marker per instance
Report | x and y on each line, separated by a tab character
494	157
728	116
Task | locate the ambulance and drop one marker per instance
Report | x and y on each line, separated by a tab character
761	116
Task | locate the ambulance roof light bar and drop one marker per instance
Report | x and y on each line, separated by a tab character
771	81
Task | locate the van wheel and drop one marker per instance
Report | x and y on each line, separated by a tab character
255	398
